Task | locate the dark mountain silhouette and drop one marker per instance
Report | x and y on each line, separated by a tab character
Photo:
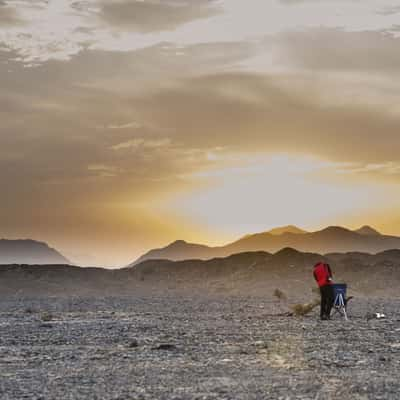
332	239
250	274
175	250
29	252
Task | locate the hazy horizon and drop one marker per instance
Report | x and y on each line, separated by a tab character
128	124
91	262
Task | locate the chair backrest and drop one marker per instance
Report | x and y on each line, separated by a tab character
339	288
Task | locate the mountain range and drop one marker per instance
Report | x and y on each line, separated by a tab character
29	252
331	239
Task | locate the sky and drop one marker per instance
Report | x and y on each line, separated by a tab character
128	124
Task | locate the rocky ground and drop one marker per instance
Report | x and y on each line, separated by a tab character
185	348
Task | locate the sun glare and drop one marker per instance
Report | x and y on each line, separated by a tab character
266	192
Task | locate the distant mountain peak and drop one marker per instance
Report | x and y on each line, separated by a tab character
178	242
334	229
28	251
183	244
367	230
286	229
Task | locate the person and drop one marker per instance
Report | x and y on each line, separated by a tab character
323	276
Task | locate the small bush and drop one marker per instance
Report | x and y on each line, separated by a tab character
46	317
300	310
280	295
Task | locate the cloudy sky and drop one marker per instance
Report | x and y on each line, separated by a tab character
127	124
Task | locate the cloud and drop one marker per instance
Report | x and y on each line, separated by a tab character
388	171
294	2
47	30
128	125
261	114
50	132
389	10
155	15
177	111
297	2
8	15
62	29
337	50
184	106
103	170
141	143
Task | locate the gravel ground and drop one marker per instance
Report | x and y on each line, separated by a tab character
185	348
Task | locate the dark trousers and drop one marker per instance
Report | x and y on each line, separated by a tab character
326	300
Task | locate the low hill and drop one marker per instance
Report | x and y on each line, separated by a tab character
29	252
248	274
332	239
260	273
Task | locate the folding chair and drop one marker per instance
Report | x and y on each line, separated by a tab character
339	295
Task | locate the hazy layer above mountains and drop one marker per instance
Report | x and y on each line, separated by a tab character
328	240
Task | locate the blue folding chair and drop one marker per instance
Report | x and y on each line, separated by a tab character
339	295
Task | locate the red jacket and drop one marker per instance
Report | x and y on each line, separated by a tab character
323	274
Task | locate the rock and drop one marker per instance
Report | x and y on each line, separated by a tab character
261	344
133	343
166	346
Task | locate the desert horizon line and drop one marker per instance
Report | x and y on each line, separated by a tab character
228	247
179	239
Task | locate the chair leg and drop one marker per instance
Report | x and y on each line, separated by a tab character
340	306
343	306
345	313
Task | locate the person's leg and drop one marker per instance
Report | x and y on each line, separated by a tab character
329	300
323	302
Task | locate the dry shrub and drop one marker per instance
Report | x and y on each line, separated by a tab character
280	295
300	310
46	317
